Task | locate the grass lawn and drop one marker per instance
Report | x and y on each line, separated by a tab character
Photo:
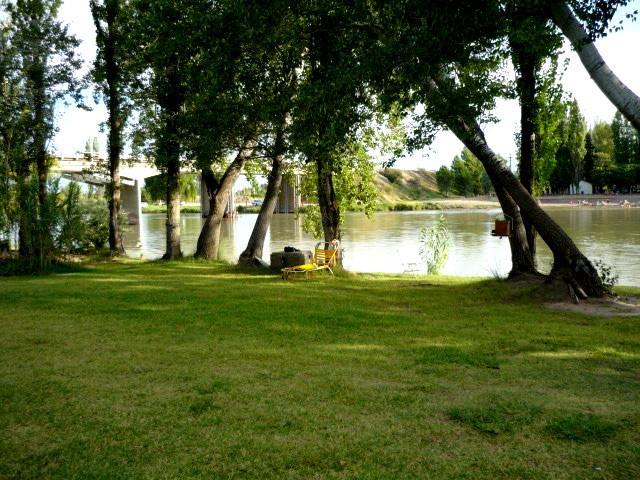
193	370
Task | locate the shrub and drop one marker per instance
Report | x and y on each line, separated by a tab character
434	245
607	274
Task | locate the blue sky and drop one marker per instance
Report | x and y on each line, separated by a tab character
619	49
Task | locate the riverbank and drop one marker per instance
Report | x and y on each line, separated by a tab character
200	370
162	208
457	203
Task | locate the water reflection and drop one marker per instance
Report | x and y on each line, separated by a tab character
389	241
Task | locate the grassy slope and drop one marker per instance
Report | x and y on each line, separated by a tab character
188	370
410	185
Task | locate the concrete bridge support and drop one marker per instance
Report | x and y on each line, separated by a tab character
289	199
131	200
204	200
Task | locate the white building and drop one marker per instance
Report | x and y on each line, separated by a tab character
584	188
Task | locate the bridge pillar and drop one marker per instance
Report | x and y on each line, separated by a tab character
289	198
131	201
204	200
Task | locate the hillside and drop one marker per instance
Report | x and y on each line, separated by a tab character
395	185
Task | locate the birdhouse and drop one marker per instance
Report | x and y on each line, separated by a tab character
502	228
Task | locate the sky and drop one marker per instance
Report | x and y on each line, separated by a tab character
619	49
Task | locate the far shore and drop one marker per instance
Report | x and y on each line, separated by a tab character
552	201
465	203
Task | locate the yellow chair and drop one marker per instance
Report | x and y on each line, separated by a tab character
322	260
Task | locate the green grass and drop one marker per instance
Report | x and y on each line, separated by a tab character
162	208
196	370
409	206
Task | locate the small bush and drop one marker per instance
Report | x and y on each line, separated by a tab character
582	427
607	274
434	245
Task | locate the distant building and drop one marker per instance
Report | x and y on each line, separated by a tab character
584	188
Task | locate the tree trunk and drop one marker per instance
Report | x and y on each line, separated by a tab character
253	253
568	262
170	99
115	238
627	102
329	209
526	67
25	221
113	76
218	192
173	250
521	259
42	239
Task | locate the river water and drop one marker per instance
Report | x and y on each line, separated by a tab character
388	242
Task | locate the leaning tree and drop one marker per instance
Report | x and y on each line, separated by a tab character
448	79
598	16
225	101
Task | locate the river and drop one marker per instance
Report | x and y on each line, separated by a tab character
388	242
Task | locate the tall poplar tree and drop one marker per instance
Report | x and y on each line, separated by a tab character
112	77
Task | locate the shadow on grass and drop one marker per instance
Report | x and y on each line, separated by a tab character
20	268
582	427
501	416
442	355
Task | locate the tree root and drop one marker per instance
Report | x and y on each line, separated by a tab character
581	279
253	262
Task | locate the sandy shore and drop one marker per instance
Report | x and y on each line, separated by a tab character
628	201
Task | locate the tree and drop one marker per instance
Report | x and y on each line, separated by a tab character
531	41
551	111
10	146
463	180
113	81
575	132
45	65
569	263
626	141
333	101
456	89
252	254
255	101
165	35
589	161
353	182
599	14
414	52
279	103
444	177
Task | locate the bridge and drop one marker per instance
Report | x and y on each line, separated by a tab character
92	170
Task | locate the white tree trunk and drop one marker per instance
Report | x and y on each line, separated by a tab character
617	92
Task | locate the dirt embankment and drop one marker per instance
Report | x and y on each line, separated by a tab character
395	185
418	190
